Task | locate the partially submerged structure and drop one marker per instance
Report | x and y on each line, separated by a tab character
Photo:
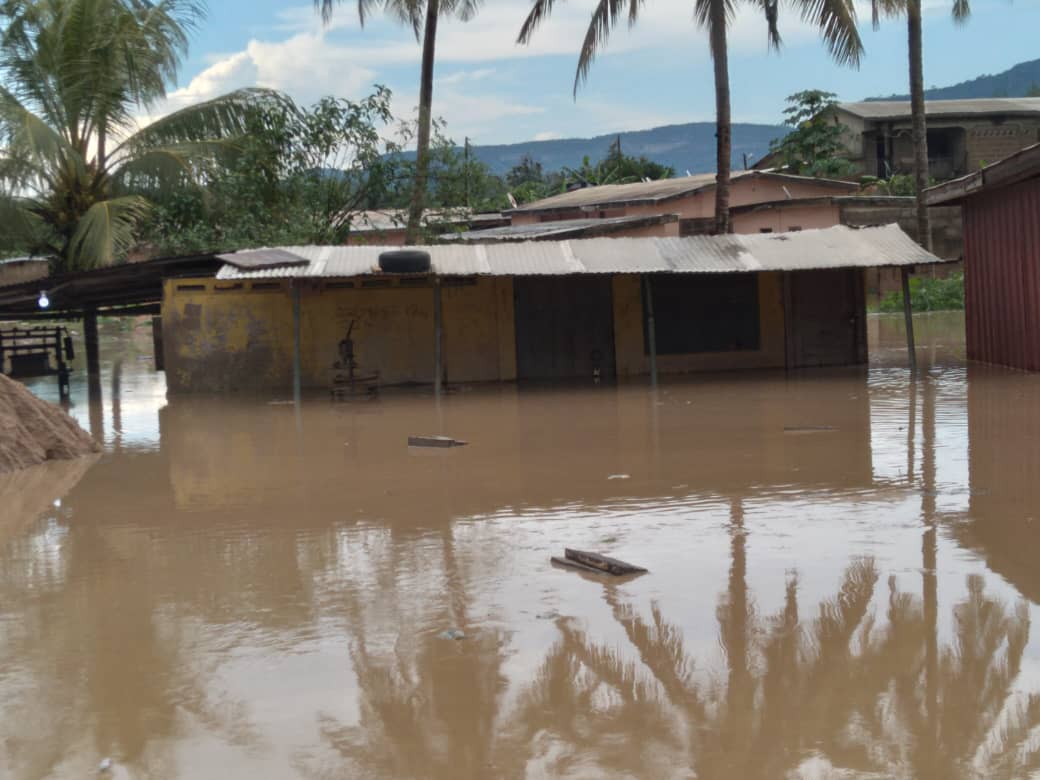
1001	217
582	309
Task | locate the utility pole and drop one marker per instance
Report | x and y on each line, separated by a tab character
465	156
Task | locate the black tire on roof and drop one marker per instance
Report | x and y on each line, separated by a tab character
405	261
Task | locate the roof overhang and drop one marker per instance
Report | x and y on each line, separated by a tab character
834	247
1011	170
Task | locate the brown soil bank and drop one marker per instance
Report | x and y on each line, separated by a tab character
33	431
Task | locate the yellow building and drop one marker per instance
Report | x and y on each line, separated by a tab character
540	310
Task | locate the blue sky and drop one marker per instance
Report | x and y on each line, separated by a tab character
494	91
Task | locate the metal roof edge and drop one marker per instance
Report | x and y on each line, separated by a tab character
1023	164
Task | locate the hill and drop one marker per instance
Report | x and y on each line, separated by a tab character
688	147
1016	81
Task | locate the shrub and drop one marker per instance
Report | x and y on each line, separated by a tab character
929	295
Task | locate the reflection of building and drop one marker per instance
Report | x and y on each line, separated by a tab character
1001	206
538	310
962	134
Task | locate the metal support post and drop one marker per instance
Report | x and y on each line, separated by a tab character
909	319
651	329
297	370
437	337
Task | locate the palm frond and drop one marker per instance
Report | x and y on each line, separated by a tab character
836	20
885	8
27	135
22	228
771	11
220	118
325	7
539	12
105	232
604	18
961	10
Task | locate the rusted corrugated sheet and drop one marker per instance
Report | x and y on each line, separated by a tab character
1002	275
834	247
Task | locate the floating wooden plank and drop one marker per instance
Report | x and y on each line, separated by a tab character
442	442
602	563
575	565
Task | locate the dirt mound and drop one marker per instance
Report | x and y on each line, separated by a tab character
33	431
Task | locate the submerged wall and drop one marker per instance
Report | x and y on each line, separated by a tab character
238	336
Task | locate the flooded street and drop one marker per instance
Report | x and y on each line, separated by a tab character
842	580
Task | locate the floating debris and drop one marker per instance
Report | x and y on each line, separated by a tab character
452	633
442	442
105	765
596	563
619	476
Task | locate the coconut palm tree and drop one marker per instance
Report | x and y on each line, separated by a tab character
836	20
422	18
73	74
961	10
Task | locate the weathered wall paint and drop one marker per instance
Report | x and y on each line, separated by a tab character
782	219
225	338
628	333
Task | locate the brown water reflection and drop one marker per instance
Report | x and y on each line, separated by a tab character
841	583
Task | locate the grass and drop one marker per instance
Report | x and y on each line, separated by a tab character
929	295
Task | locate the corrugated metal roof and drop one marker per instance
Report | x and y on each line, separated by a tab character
1023	164
835	247
607	195
900	109
262	258
564	228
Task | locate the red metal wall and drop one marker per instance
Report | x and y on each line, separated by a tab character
1002	275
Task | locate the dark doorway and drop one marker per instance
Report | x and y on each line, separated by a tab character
824	312
564	327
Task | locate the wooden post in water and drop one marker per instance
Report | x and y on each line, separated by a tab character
297	369
437	337
651	328
93	350
908	317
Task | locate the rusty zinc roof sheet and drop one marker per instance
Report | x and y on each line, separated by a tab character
834	247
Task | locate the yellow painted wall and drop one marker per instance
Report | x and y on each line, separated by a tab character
235	337
221	337
628	333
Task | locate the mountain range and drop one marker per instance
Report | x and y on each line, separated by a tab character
691	147
1017	81
688	147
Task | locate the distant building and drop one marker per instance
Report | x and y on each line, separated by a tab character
690	198
963	135
1001	217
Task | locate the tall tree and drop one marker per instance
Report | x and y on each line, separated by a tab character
836	20
961	10
73	74
423	18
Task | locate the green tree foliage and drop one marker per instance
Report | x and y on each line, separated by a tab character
296	177
422	17
528	182
817	145
929	295
73	74
615	168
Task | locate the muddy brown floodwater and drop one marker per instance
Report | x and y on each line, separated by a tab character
843	581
